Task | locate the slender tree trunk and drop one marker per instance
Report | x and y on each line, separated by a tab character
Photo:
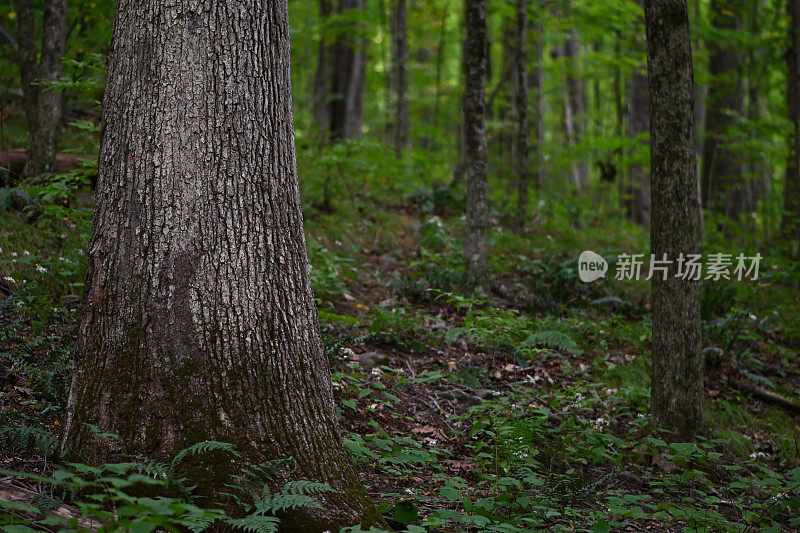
619	127
322	76
198	319
677	397
576	96
505	90
540	103
349	69
440	62
42	104
639	193
475	138
791	217
722	182
400	75
521	105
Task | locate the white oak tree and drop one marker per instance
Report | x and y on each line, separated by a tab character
198	319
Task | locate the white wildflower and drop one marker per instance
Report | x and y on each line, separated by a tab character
600	423
757	455
10	279
376	372
25	252
41	269
13	254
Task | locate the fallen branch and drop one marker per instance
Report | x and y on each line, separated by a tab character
766	395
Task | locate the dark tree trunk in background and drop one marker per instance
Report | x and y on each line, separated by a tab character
723	186
347	83
677	391
322	76
400	75
791	218
758	179
198	319
639	126
538	84
475	156
42	104
521	111
638	194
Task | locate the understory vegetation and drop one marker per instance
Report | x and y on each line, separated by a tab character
521	407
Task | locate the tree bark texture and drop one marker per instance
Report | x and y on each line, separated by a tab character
521	105
400	75
791	219
677	393
475	152
723	187
198	319
42	104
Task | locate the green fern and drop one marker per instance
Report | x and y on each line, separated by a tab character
203	447
552	339
26	437
255	523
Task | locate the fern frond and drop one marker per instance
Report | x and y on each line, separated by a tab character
552	339
255	523
204	447
306	487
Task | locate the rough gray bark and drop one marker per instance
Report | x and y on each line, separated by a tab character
475	155
198	319
521	111
400	75
348	74
791	218
42	104
677	393
723	187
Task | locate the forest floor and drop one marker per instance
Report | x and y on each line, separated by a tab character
523	406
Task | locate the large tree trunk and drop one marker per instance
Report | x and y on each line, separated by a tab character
791	218
198	320
349	71
42	104
400	75
521	108
475	156
677	393
722	181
